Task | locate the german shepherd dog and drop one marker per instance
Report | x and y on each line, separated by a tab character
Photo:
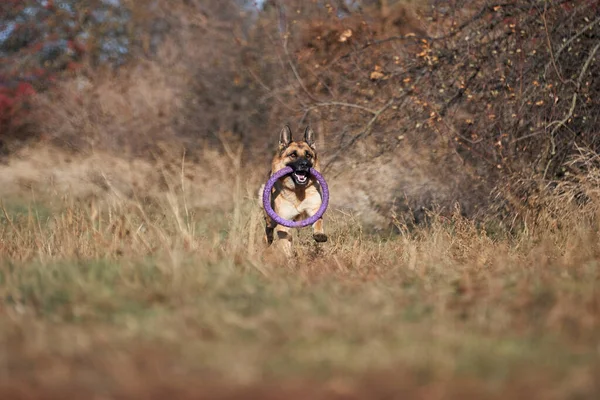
296	196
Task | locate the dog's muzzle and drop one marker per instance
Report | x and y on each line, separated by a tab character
301	171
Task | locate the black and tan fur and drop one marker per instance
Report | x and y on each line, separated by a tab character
296	196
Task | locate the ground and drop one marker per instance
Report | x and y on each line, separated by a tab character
148	291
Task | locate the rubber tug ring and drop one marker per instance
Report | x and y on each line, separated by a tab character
295	224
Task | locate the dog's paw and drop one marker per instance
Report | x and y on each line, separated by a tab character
320	237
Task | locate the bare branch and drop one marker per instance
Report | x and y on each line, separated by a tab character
579	33
562	122
342	104
295	71
568	42
552	59
363	133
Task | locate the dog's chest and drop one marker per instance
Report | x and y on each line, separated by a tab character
293	203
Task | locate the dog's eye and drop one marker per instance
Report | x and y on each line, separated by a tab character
293	155
308	156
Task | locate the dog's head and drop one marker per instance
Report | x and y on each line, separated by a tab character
301	156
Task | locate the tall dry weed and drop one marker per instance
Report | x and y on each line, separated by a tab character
126	112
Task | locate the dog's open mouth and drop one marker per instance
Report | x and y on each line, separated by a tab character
300	177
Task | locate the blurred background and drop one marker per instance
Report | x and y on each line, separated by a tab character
417	104
460	141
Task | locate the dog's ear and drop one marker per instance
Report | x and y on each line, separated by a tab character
309	137
285	137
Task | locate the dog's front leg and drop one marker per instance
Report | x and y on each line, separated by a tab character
318	229
287	211
269	228
319	232
284	236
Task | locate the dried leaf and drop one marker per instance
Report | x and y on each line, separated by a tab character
345	35
376	75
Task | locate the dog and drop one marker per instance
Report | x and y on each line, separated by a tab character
296	196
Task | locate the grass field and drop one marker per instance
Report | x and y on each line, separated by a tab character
127	298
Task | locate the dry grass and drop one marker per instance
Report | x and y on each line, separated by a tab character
123	115
130	297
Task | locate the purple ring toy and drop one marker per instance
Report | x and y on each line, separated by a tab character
295	224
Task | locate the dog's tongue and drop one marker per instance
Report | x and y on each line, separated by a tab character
301	177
